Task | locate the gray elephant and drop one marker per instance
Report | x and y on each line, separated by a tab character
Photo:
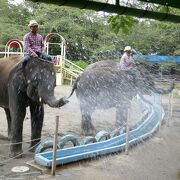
22	87
103	85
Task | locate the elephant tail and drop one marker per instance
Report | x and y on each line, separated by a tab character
74	87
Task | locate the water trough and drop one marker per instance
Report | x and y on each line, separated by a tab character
140	132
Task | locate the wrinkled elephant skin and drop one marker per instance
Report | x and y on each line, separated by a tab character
103	85
21	87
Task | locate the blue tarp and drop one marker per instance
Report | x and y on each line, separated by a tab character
155	58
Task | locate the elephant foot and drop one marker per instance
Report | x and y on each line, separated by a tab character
16	155
88	129
15	151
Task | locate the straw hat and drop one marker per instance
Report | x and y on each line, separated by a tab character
32	23
127	48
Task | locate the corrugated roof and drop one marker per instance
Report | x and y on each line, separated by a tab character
130	11
171	3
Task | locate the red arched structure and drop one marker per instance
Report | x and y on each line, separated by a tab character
14	43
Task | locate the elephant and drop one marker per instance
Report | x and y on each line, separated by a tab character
33	86
103	85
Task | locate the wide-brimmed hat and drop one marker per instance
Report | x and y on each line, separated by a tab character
33	23
127	48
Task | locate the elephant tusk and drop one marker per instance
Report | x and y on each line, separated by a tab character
40	99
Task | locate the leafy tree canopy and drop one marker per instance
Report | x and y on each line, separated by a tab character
90	36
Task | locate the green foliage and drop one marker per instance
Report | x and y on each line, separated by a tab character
124	23
169	68
12	20
165	68
91	36
81	63
154	38
177	52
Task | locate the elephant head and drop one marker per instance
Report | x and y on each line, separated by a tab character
40	80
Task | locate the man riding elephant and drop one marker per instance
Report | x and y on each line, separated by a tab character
127	63
33	44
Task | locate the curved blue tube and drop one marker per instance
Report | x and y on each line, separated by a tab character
139	133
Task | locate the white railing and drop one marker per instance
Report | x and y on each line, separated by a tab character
69	75
11	53
69	70
72	66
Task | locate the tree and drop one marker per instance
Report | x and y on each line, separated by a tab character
13	20
88	34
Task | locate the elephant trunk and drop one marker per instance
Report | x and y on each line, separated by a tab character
53	102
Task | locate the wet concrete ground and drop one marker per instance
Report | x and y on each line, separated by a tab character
155	159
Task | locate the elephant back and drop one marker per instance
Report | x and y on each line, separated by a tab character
7	64
102	64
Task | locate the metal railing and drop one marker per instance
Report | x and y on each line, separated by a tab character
72	66
69	75
6	54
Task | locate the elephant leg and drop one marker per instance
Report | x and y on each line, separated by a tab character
18	113
8	116
17	107
86	125
37	117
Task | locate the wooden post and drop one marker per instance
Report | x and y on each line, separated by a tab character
171	107
53	170
127	133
